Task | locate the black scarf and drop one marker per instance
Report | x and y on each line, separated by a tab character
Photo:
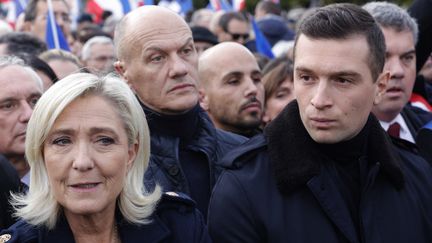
296	158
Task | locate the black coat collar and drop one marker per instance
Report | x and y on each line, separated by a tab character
295	158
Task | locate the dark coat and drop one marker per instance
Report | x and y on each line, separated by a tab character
9	182
165	168
279	189
175	220
415	119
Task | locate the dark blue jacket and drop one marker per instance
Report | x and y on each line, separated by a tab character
175	220
9	182
280	189
165	168
415	119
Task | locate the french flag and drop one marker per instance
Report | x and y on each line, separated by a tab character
118	7
54	36
217	5
15	8
239	5
262	44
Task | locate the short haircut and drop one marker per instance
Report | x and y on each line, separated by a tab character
40	65
86	50
31	8
21	42
342	21
274	73
269	7
6	61
390	15
226	18
57	54
39	206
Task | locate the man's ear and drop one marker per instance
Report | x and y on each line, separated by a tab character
382	82
203	99
119	67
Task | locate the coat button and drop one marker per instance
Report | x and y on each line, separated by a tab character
173	170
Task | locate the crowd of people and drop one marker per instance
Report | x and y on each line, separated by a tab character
159	128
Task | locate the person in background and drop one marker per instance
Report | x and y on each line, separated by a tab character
324	170
98	55
157	58
9	183
203	39
21	88
201	17
234	26
36	15
88	146
265	8
278	86
231	89
43	70
399	118
62	62
18	43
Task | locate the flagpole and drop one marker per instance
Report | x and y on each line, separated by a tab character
53	24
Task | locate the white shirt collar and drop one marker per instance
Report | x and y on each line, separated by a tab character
404	131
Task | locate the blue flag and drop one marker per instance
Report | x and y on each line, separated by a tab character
178	6
262	44
126	6
54	36
20	5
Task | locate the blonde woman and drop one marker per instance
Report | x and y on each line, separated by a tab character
88	147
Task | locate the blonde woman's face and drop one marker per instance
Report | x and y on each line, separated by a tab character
87	157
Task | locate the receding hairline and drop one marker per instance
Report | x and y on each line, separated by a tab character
143	15
211	56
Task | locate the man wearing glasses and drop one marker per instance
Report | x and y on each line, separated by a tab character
234	27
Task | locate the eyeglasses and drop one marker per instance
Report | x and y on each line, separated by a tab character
237	36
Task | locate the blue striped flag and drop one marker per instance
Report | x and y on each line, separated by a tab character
54	36
262	44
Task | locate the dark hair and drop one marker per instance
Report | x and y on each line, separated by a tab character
31	8
22	42
269	7
342	21
226	18
274	73
40	65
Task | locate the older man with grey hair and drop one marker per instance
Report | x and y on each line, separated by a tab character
21	89
396	115
98	55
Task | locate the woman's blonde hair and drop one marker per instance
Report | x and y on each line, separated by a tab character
39	206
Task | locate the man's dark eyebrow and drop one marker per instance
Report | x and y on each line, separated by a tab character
230	74
409	52
346	74
303	69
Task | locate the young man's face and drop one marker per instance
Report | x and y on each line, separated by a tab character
234	95
334	87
